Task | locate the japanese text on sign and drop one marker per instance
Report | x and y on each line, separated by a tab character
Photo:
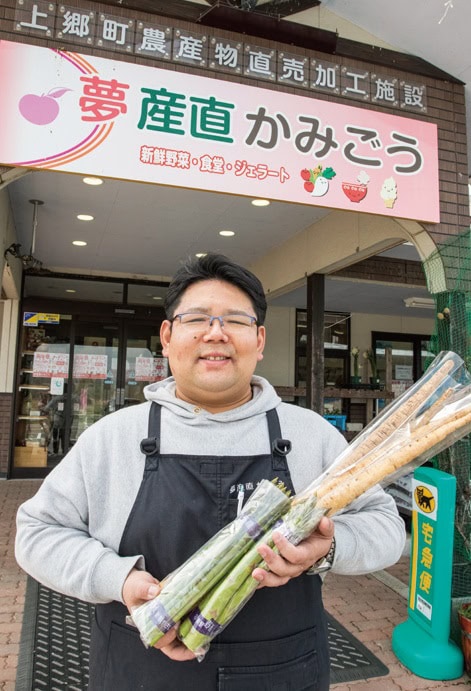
162	42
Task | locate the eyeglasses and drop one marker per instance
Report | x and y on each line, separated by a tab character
199	322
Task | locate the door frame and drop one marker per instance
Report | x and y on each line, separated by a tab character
121	313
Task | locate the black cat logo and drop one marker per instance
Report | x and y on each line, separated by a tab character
425	499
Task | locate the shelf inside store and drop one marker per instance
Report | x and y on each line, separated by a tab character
33	418
34	387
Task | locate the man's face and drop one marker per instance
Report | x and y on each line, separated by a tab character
213	367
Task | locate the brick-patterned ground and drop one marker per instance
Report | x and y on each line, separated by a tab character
364	605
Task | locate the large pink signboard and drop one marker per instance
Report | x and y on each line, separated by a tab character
84	114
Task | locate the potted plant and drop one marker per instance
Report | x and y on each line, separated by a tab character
355	378
370	356
464	618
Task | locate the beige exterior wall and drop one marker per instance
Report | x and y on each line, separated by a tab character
336	241
278	362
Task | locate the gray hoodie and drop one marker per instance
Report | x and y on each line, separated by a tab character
69	533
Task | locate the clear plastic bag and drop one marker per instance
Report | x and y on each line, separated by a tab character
185	586
428	417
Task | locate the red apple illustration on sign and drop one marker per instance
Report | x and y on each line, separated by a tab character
41	110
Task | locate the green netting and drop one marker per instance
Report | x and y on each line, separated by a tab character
450	268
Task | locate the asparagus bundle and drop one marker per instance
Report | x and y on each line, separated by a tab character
185	586
430	416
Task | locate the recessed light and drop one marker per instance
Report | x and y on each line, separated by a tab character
157	297
200	254
79	243
227	233
85	217
70	290
92	181
260	202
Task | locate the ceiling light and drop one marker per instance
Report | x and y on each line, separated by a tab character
92	181
423	303
157	297
226	233
85	217
79	243
70	290
200	254
260	202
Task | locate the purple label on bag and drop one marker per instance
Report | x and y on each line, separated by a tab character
160	617
252	528
207	627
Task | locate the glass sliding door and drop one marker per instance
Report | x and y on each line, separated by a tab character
72	373
143	361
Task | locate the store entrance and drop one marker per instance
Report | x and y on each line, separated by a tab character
73	371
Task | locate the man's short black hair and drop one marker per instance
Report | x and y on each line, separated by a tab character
220	268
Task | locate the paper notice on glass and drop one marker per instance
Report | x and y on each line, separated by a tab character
151	368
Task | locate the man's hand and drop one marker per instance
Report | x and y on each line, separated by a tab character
293	560
140	587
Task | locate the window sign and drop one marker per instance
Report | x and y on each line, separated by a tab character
151	369
35	318
89	366
57	386
190	131
50	364
403	372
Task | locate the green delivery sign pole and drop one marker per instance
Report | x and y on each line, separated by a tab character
422	642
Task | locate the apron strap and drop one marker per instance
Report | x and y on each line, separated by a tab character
280	447
150	446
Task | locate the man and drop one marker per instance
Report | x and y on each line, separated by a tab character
145	487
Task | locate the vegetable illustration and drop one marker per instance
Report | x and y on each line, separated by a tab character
316	181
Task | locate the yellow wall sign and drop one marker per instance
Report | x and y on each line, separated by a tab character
35	318
424	499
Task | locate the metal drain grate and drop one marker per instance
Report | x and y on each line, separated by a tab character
349	658
55	642
62	642
55	645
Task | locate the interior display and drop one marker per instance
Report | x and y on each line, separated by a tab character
74	370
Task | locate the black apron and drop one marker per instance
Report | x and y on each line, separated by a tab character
278	642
